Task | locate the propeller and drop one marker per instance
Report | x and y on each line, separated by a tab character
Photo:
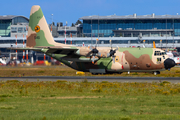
94	52
112	52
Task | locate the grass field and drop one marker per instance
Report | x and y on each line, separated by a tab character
66	71
89	100
86	100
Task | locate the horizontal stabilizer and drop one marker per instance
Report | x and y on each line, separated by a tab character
21	49
80	59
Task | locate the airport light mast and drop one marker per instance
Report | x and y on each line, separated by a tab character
65	32
52	23
23	50
16	47
26	40
51	28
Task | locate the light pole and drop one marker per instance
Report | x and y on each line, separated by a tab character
52	17
52	23
166	31
65	32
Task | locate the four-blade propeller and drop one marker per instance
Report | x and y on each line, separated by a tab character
94	52
112	52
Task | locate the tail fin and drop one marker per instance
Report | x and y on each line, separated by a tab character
38	31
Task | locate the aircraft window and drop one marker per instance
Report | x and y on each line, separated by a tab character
163	53
158	59
157	53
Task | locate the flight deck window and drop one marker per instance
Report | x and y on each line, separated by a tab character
157	53
163	53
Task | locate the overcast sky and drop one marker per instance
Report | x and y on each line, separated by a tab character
72	10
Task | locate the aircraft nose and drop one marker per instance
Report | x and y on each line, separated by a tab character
169	63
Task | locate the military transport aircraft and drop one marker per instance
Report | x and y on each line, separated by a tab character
93	59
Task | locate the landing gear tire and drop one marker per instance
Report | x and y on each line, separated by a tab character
156	72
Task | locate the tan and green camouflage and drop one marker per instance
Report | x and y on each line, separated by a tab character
126	59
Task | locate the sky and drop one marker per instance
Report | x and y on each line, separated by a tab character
72	10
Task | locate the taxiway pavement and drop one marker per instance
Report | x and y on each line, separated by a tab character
93	79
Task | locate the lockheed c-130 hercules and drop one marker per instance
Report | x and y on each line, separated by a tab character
93	59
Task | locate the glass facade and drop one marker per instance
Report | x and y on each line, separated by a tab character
17	20
5	28
12	41
88	42
105	27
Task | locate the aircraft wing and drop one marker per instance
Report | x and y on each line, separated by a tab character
52	50
60	50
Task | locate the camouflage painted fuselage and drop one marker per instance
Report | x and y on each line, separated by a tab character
127	59
80	58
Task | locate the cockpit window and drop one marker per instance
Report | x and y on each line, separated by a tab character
157	53
163	53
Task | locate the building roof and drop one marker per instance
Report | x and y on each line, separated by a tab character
10	17
134	16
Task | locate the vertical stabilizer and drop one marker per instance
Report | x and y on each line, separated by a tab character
38	32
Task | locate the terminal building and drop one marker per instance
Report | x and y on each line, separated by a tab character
134	29
132	25
11	25
124	31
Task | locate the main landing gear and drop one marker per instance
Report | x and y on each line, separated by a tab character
156	72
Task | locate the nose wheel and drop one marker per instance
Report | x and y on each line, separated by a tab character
156	72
